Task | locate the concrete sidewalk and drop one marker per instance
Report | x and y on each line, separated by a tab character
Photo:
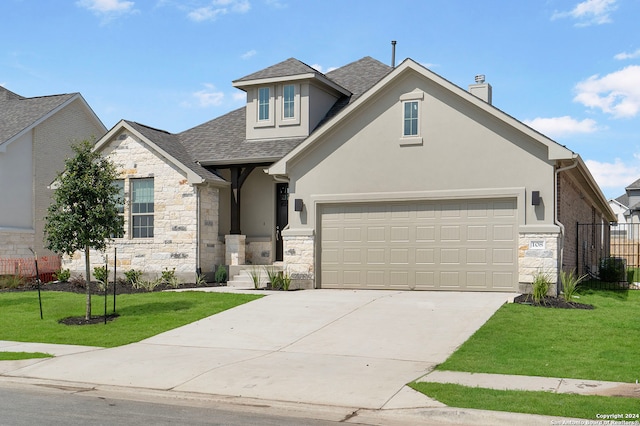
528	383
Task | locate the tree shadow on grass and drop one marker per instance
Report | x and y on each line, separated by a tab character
156	308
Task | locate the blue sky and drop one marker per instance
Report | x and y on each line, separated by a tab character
568	68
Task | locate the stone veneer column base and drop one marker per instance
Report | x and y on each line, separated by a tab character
299	258
538	254
235	249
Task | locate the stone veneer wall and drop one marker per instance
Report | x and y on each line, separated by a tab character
174	244
534	261
299	259
258	251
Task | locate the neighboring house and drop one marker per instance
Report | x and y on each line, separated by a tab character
368	177
627	210
35	139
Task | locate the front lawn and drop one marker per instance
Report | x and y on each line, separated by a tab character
598	344
140	315
541	403
15	356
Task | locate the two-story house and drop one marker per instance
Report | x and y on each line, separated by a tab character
36	135
368	176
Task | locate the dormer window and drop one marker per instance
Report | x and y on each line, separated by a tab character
264	104
289	101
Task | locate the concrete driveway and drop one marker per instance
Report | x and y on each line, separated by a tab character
330	347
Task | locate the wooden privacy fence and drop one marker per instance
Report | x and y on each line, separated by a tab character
26	267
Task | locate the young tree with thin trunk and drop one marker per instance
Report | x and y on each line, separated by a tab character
84	212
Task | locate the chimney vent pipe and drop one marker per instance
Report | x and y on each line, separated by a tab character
393	53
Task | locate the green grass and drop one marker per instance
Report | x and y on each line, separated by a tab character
542	403
598	344
14	356
141	315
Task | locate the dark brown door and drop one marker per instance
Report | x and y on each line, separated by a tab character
282	216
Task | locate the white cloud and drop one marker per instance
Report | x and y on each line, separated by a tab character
589	12
613	175
239	97
218	8
106	6
562	126
277	4
624	55
248	54
617	93
320	68
209	96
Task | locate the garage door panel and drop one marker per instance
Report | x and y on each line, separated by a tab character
426	245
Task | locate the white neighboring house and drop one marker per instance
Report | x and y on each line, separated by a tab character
36	135
627	210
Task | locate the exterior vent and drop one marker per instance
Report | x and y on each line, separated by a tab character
481	89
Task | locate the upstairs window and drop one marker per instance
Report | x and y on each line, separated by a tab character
410	118
142	208
264	98
289	101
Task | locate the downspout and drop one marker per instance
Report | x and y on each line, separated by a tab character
555	218
198	269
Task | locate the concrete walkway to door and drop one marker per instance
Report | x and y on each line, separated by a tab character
350	348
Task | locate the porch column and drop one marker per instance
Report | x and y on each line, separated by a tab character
238	176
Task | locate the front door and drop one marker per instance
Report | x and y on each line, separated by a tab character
282	216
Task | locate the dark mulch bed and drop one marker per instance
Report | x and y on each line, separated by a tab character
550	302
95	319
78	286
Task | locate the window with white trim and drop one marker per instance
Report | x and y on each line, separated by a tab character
264	104
142	208
410	118
412	104
289	101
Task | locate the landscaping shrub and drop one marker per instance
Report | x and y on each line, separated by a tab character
570	282
169	277
133	276
612	269
101	274
62	275
11	281
541	285
221	274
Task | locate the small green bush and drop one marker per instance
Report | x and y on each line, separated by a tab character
286	281
169	277
274	277
133	276
541	285
11	281
221	274
63	275
101	274
570	282
148	285
201	281
256	276
612	270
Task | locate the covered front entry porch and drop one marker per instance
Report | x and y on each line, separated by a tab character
253	211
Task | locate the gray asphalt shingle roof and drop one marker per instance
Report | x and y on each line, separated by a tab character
222	141
287	68
170	143
18	113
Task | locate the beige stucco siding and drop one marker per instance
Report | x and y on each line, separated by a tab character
16	185
463	151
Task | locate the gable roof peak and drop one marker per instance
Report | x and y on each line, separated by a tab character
286	68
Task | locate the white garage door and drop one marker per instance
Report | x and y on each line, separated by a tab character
430	245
